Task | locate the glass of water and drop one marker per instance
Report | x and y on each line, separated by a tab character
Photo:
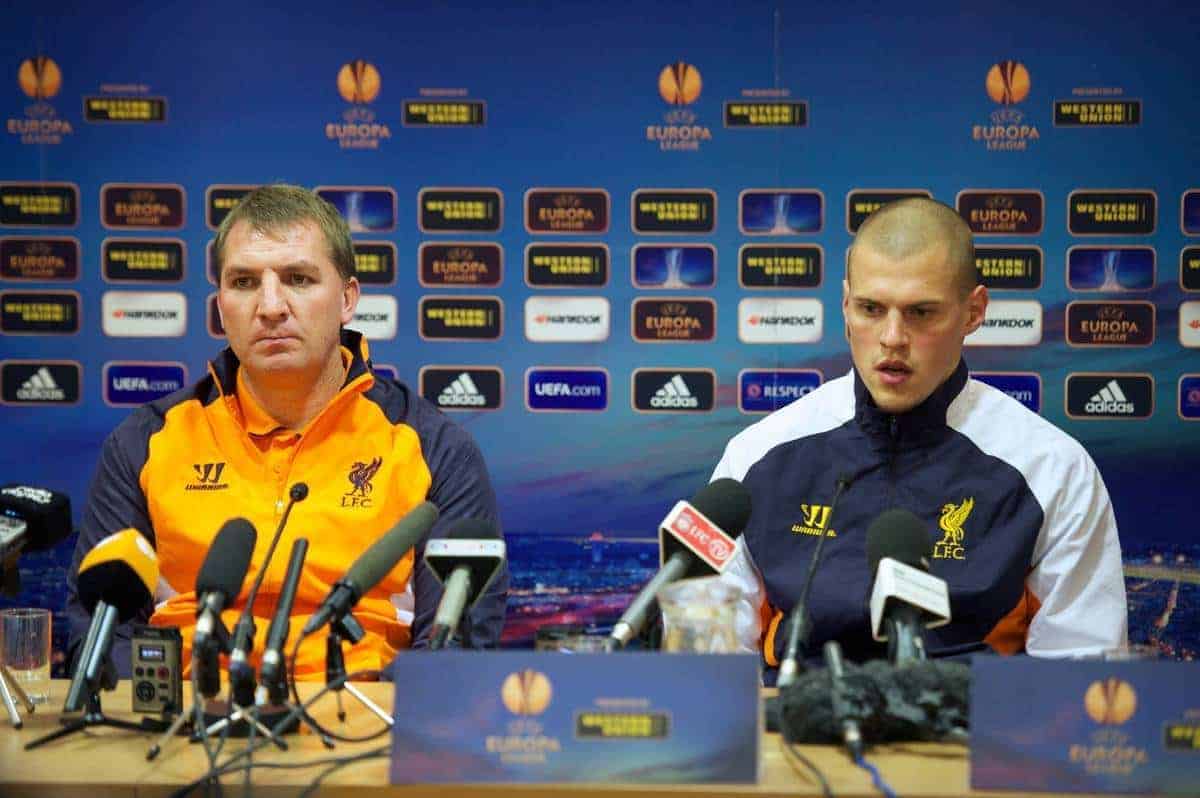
25	650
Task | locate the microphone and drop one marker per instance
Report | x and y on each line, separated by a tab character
851	734
117	578
241	672
465	562
218	584
31	519
695	539
373	565
270	675
798	628
905	597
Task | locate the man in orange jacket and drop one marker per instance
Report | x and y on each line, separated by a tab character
292	399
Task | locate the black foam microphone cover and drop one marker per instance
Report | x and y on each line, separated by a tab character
228	559
726	503
46	513
900	535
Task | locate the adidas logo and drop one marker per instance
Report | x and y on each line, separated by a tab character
461	393
1109	399
675	393
41	387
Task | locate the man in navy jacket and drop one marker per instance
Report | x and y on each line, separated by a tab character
1021	527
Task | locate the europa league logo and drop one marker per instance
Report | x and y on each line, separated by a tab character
526	692
1008	82
1110	702
358	82
39	77
679	83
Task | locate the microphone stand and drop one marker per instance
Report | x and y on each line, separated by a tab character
346	628
244	714
9	686
94	673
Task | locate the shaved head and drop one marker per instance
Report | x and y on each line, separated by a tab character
915	225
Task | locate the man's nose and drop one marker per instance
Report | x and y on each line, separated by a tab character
894	334
271	300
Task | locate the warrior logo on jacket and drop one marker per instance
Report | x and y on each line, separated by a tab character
360	477
950	547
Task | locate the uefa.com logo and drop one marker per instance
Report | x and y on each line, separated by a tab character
1024	386
133	383
566	389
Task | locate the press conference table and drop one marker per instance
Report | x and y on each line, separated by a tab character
102	762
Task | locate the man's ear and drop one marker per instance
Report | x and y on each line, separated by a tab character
977	302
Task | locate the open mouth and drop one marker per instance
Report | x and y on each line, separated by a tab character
893	371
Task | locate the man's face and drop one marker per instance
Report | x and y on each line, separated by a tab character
283	302
906	320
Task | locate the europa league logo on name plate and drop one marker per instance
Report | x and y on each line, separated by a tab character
526	692
1110	702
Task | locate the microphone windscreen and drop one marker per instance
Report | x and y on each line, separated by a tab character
46	513
374	563
227	560
900	535
122	571
726	503
473	529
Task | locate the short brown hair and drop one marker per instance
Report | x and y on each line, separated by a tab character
914	224
272	209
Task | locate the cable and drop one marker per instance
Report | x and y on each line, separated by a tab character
793	749
218	770
374	674
876	779
346	760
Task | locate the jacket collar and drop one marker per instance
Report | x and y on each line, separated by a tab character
224	367
924	422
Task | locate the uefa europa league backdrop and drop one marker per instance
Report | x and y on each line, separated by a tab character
606	237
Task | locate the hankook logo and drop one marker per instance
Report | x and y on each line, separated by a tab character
1189	324
375	317
780	321
583	319
1013	322
144	314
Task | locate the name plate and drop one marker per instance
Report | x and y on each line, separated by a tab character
1085	726
524	717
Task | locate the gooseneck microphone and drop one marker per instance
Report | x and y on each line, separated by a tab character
905	598
271	674
241	672
798	626
466	562
217	585
696	539
373	565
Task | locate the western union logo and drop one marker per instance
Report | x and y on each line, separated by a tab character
816	519
950	547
